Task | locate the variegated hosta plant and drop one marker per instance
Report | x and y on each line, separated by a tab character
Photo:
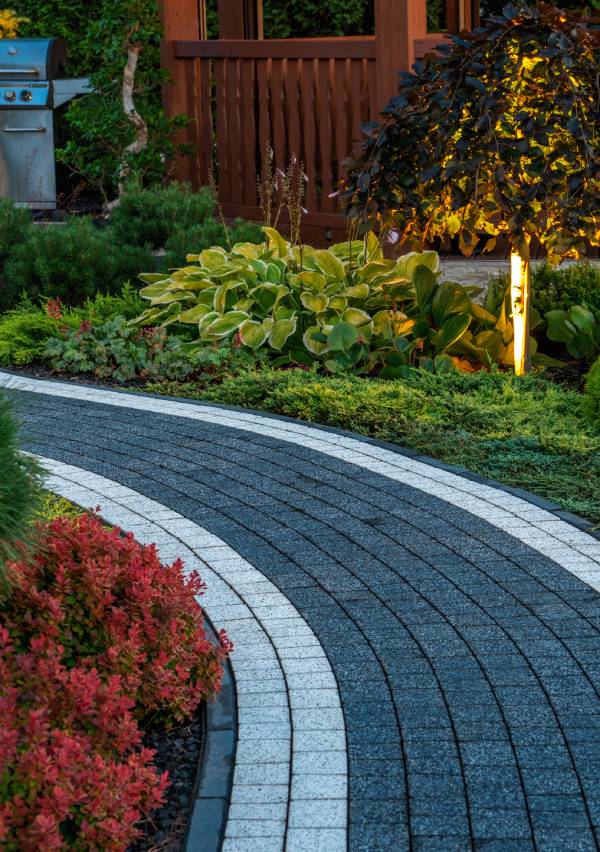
346	306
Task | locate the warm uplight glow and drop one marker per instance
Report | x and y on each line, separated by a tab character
519	298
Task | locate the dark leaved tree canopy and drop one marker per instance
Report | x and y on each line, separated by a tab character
499	135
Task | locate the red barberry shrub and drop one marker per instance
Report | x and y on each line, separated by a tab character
110	604
72	774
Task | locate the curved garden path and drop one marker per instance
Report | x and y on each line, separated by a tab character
418	651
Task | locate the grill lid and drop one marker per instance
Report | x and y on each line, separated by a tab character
32	58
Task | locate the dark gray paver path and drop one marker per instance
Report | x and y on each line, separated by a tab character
468	663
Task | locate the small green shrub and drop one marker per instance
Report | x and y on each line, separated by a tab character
20	479
151	216
24	335
184	241
15	223
561	289
26	330
117	351
591	403
72	262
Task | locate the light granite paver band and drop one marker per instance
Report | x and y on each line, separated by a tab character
277	748
461	622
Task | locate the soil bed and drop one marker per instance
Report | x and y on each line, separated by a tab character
178	752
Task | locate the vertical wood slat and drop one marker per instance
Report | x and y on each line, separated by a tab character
221	71
232	141
325	134
309	132
205	130
276	102
341	117
293	107
263	68
248	146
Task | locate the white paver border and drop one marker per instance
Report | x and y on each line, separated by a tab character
278	794
573	549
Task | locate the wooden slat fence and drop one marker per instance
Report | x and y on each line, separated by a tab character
306	97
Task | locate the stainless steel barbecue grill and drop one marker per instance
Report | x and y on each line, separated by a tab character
32	86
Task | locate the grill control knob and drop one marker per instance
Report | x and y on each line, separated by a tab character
10	95
25	95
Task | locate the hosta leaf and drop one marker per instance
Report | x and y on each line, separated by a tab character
425	286
317	347
248	250
342	337
211	258
316	302
449	299
481	315
195	314
254	334
167	298
338	304
451	331
276	242
314	281
330	265
357	291
152	277
382	323
356	317
227	323
154	289
220	297
280	332
406	265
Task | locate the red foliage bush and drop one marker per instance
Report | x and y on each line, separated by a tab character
97	635
111	604
71	770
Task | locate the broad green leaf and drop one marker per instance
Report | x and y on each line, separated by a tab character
382	323
317	347
491	343
224	325
356	317
451	331
152	277
154	290
338	304
481	315
254	333
314	281
195	314
342	337
449	299
408	263
206	320
582	319
248	250
316	302
220	297
425	285
211	258
331	266
280	332
357	291
276	242
559	329
167	298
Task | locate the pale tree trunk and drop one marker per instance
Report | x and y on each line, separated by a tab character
520	293
141	129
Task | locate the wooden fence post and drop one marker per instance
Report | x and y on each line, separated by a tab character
181	19
397	24
240	19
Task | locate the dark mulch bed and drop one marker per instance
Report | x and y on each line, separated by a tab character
571	375
178	751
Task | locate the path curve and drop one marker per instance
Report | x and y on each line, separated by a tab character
461	622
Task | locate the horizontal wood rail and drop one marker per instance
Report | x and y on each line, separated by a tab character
334	48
